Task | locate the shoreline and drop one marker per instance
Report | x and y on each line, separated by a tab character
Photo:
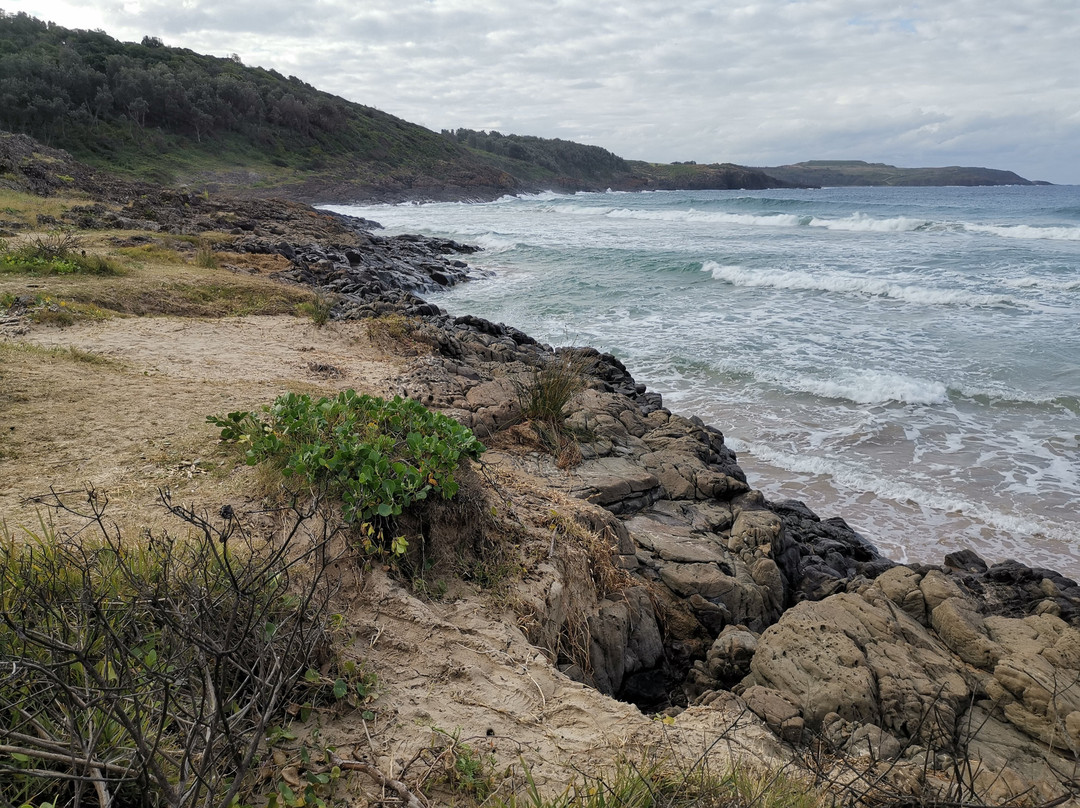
963	508
656	573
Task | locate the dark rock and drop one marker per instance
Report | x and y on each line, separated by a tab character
965	561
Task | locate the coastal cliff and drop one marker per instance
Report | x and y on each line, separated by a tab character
587	578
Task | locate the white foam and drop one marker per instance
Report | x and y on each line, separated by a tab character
495	242
874	387
1043	283
853	478
686	215
861	223
851	284
1025	231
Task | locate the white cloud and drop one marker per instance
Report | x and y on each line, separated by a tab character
982	82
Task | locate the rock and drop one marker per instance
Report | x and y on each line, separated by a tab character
965	561
901	586
756	531
616	483
937	588
672	543
874	742
705	580
728	660
961	628
868	663
778	713
624	640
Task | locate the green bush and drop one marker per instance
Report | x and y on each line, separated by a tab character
378	457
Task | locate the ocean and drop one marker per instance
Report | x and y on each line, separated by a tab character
906	358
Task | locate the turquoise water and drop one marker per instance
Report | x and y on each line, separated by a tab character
907	358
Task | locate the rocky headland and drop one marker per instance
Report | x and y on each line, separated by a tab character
651	571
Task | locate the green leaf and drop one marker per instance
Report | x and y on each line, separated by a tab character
340	689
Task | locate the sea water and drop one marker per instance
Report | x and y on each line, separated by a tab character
906	358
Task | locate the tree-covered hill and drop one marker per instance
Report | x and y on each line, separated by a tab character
175	116
170	114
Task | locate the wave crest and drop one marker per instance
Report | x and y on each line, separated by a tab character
851	284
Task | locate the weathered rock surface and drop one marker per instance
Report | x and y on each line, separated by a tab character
910	668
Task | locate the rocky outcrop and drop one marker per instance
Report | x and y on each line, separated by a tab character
918	655
695	584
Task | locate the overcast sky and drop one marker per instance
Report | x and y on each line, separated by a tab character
944	82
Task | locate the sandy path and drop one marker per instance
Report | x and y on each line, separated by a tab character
136	422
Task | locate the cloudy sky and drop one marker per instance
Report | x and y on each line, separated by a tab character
942	82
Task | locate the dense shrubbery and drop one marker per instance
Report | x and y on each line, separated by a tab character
95	96
563	158
378	457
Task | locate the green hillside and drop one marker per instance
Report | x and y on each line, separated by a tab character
173	116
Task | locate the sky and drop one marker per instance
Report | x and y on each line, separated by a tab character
992	83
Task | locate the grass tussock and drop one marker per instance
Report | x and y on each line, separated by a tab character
24	209
205	256
60	252
398	333
459	771
664	783
543	399
319	308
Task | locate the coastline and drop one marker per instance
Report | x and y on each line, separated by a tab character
763	590
876	408
650	569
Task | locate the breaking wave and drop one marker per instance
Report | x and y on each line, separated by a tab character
851	284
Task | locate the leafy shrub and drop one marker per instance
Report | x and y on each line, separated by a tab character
378	457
